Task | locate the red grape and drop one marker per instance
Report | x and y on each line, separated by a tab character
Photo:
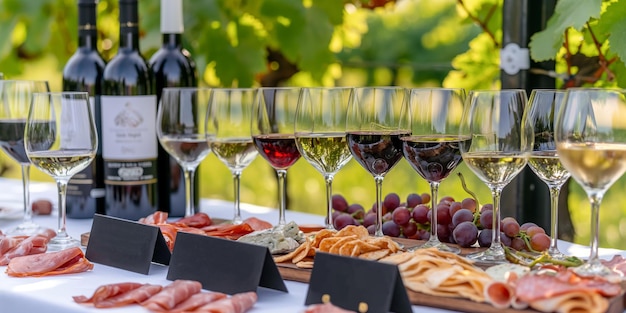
510	226
339	203
369	219
447	200
387	216
469	203
533	230
540	242
443	214
420	214
465	234
409	230
343	220
527	225
423	234
486	219
506	240
413	200
425	198
401	216
484	237
371	229
486	207
518	244
463	215
391	229
454	207
356	210
391	202
443	232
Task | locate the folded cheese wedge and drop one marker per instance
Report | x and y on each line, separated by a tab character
66	261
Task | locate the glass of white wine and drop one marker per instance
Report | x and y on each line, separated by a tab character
60	140
320	134
181	131
591	143
229	133
499	148
540	113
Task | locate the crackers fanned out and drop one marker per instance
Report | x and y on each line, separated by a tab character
438	273
352	241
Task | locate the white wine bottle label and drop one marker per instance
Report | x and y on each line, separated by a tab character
129	142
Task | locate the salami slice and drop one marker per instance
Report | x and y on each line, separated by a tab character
172	294
107	291
66	261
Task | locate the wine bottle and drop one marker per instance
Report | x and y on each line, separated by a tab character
83	72
172	66
129	141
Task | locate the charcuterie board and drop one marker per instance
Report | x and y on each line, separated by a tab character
290	271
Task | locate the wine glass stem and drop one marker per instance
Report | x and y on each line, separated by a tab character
189	191
236	181
62	187
379	208
554	218
434	190
495	234
328	178
282	196
28	211
595	199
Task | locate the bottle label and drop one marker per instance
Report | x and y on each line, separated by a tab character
129	141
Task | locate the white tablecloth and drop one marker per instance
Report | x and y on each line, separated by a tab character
54	294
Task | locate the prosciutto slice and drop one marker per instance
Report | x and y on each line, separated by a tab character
197	220
35	244
228	231
137	295
172	294
257	224
197	300
325	308
238	303
66	261
107	291
530	288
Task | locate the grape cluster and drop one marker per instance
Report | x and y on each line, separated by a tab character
458	222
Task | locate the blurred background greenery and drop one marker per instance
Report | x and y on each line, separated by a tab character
410	43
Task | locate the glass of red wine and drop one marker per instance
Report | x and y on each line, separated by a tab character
228	131
15	98
60	139
180	127
321	136
273	135
377	119
434	147
498	151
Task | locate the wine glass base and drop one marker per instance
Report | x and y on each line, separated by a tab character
440	246
493	255
58	244
595	269
555	254
25	229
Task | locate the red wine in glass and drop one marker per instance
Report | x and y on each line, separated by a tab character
280	150
377	152
434	157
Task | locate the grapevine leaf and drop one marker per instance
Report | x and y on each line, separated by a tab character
286	22
6	28
332	8
314	50
613	24
568	13
477	68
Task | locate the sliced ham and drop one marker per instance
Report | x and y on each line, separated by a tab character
107	291
325	308
197	300
34	244
228	231
238	303
172	294
197	220
137	295
530	288
499	294
257	224
66	261
156	218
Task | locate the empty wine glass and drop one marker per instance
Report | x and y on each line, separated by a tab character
181	131
498	151
61	140
273	134
320	131
376	121
15	98
228	132
591	143
541	112
433	149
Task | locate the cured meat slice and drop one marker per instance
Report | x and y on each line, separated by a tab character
325	308
197	220
172	294
228	231
238	303
197	300
34	244
169	234
8	243
572	302
499	294
107	291
530	288
156	218
66	261
137	295
257	224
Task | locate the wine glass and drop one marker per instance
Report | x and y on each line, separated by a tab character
376	121
433	149
181	131
15	98
498	151
541	112
229	132
61	140
273	135
321	136
591	143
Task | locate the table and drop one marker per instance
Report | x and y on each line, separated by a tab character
54	294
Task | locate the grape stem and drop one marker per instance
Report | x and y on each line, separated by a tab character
476	220
530	260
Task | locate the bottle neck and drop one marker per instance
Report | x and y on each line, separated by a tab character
129	25
129	37
88	40
87	34
172	40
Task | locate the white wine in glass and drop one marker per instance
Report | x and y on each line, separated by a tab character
229	132
61	140
591	143
499	148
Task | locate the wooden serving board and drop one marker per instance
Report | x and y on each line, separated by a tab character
290	271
